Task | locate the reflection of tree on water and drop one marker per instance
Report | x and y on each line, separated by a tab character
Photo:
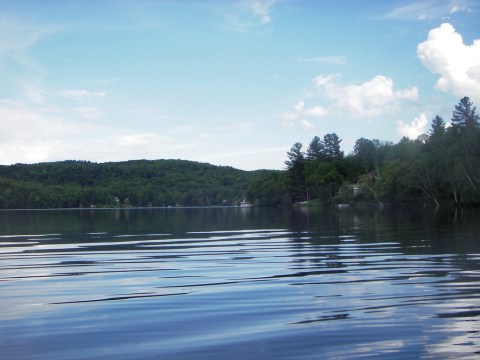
436	250
389	280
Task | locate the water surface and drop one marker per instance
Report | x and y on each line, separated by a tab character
214	283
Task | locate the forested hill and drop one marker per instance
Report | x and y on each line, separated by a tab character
69	184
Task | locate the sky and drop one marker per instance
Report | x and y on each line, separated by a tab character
231	83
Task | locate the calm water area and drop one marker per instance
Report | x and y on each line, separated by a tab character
240	283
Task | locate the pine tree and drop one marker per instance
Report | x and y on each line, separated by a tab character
332	147
296	170
295	156
316	149
464	115
438	127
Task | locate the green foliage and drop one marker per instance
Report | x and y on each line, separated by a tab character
331	143
132	183
296	173
464	116
442	166
270	189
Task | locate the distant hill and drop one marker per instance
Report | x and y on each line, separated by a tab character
69	184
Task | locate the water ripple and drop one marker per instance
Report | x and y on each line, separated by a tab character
207	293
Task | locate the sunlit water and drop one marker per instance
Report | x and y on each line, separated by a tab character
231	283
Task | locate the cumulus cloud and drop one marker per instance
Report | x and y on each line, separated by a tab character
413	129
299	114
458	65
369	99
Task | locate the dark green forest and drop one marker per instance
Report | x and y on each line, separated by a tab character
138	183
441	166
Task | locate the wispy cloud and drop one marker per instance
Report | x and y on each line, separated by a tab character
140	140
36	133
16	38
251	15
30	133
335	59
261	9
430	9
82	94
32	92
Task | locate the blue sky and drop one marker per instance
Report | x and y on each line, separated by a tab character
231	83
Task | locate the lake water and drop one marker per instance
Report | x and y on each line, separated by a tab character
232	283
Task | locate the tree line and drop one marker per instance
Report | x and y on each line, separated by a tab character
441	166
142	183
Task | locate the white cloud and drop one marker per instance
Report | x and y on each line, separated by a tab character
416	10
425	10
316	111
299	107
88	112
457	64
459	7
413	129
37	133
250	15
322	80
241	158
261	9
454	9
300	112
369	99
307	125
33	92
83	94
30	134
140	140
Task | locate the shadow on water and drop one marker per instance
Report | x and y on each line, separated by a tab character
171	220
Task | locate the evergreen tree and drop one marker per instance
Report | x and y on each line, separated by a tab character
316	150
296	169
464	115
295	156
438	128
332	150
